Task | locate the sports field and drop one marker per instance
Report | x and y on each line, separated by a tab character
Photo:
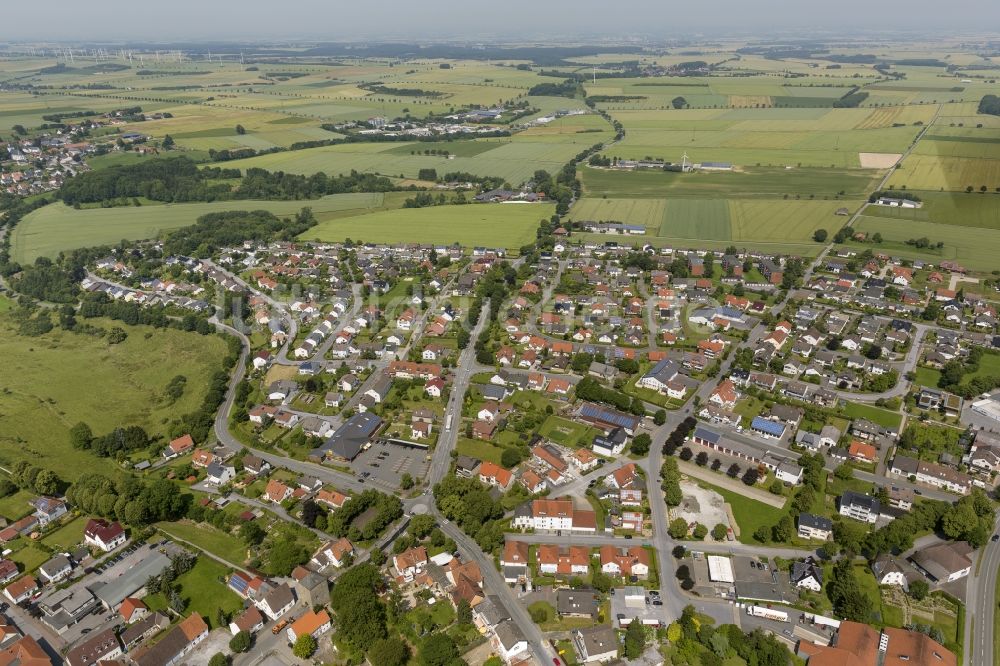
56	227
48	381
494	225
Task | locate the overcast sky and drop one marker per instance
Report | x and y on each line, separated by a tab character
161	20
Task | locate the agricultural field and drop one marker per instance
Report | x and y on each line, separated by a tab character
56	227
948	173
493	225
961	209
514	159
742	220
46	388
749	183
973	247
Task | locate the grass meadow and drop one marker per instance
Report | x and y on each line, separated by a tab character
514	159
48	386
494	225
56	227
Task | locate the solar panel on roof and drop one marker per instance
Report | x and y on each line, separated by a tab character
770	427
608	416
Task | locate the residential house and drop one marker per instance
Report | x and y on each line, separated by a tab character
859	507
815	527
807	575
563	561
178	642
98	649
621	562
101	534
333	553
277	602
309	623
598	644
410	562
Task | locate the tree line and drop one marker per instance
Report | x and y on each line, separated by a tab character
178	179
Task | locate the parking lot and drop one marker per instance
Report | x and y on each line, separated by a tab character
644	609
385	462
108	569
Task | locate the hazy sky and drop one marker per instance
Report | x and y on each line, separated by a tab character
128	20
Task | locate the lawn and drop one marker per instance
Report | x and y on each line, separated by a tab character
565	432
56	227
15	506
494	225
927	377
479	449
205	591
883	417
30	556
56	380
67	536
207	538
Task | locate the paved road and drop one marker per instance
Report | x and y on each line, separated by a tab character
981	605
606	538
465	368
902	386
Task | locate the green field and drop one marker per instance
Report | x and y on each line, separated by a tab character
55	228
706	219
883	417
961	209
750	183
15	506
949	173
514	159
205	591
209	539
750	514
744	221
972	247
493	225
67	536
48	386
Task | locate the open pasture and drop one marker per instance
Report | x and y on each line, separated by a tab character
56	227
48	382
494	225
